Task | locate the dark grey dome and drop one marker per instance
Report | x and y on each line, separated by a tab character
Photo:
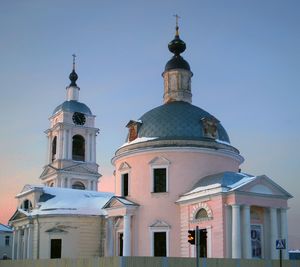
73	106
177	121
177	62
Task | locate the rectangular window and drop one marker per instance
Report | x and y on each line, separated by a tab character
160	244
7	240
125	184
55	250
160	180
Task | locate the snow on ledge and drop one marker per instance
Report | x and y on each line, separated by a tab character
222	142
139	140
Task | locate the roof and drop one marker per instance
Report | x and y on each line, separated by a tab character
223	179
177	62
73	106
55	200
177	120
5	228
234	181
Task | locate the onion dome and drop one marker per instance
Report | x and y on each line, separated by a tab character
73	75
177	46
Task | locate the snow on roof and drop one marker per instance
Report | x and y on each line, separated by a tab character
139	140
5	228
71	201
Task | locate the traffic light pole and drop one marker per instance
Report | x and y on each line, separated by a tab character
197	235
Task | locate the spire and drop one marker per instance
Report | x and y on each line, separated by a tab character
177	74
73	75
177	46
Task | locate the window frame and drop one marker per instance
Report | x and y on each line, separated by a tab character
153	167
122	184
156	230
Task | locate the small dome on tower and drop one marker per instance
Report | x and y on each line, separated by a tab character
177	46
73	78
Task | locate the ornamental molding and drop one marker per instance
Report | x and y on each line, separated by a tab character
159	161
199	206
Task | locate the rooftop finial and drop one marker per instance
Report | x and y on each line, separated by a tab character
177	27
73	75
74	56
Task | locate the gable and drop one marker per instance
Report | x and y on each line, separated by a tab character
159	161
17	215
48	170
124	167
264	185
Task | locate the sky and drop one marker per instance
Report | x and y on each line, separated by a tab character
245	56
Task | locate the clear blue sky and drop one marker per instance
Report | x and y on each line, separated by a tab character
245	56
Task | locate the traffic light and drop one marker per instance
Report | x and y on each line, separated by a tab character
191	237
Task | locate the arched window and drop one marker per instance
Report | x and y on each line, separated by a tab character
78	148
78	185
26	205
201	214
54	148
51	184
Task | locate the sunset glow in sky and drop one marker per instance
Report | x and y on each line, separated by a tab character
245	56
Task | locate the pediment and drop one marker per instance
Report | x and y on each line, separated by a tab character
160	224
59	229
81	169
118	202
48	170
17	215
159	161
124	167
264	185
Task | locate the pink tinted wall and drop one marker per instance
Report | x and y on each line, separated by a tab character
185	169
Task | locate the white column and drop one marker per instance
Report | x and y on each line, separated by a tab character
59	145
14	245
49	150
70	143
24	256
236	232
18	243
284	231
228	231
29	242
88	148
65	144
127	235
274	233
96	185
93	149
246	233
90	185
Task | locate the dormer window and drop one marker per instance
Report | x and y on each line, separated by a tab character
210	127
133	127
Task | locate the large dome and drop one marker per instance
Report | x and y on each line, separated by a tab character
178	121
73	106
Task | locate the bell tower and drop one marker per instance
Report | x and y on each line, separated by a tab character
71	153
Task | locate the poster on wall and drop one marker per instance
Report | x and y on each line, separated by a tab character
256	241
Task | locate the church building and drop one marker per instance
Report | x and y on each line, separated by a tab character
176	170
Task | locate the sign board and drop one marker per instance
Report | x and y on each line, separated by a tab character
280	244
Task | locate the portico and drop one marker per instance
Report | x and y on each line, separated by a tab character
119	226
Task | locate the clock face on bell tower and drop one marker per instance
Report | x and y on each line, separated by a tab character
78	118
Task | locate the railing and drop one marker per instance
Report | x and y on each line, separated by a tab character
146	262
